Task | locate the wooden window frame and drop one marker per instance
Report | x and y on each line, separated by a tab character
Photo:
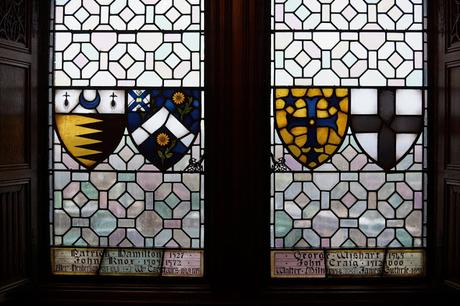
237	237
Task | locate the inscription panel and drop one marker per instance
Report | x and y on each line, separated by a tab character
298	264
187	263
357	263
127	262
405	263
361	263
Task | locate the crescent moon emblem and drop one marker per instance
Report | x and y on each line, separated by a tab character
90	104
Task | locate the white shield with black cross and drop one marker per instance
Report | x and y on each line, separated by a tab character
386	122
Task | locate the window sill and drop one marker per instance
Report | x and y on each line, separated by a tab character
105	293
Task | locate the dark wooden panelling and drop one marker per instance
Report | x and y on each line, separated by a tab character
237	242
237	219
453	82
237	61
452	233
18	143
445	226
14	100
14	233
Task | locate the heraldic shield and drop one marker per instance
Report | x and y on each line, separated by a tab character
89	123
386	123
164	123
312	122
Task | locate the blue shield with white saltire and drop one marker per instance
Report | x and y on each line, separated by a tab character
164	123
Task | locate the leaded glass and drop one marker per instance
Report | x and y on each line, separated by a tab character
126	132
349	141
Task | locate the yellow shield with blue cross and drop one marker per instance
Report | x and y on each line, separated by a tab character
312	122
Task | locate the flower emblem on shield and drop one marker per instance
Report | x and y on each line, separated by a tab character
386	123
89	123
164	123
312	122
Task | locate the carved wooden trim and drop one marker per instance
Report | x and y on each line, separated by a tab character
13	21
455	23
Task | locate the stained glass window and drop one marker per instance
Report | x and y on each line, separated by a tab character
126	135
349	141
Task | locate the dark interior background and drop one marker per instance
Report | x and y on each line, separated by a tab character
237	175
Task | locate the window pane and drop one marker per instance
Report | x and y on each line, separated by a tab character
127	137
348	193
